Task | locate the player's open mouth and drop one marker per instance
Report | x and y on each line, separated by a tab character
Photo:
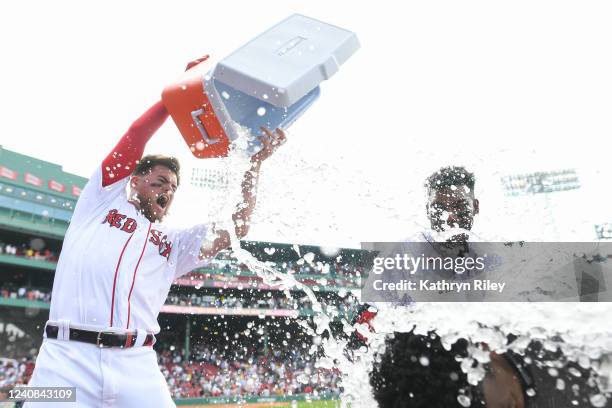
162	201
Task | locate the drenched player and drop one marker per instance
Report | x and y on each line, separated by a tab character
417	371
116	267
399	378
451	201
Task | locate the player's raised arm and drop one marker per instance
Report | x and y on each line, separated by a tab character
121	161
244	210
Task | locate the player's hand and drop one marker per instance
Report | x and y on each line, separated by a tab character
193	63
271	142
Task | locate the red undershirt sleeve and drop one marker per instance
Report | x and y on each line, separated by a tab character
121	161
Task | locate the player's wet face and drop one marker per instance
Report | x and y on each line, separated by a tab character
451	208
155	192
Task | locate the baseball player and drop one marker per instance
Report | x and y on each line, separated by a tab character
396	379
512	380
115	270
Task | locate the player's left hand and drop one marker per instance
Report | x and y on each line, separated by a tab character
271	142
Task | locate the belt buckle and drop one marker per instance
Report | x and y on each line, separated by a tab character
99	340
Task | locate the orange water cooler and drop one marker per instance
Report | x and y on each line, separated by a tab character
269	82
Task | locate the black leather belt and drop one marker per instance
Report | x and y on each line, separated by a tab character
102	339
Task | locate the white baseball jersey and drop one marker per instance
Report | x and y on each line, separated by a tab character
116	267
115	270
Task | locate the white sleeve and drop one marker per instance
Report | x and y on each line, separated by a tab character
95	196
189	242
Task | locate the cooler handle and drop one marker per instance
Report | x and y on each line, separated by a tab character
195	115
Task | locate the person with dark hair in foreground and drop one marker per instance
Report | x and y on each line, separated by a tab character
416	371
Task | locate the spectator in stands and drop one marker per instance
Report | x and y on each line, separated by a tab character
27	252
25	293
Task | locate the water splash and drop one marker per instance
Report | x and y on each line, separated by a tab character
575	329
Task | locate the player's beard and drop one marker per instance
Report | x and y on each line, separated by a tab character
149	210
464	222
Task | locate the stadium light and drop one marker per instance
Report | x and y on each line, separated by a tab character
540	182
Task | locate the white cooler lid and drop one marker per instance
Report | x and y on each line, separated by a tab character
289	60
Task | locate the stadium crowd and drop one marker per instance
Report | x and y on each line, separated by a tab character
9	292
17	357
15	372
27	252
216	374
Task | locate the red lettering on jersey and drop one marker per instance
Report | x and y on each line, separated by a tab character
155	237
116	221
165	248
109	217
163	245
129	225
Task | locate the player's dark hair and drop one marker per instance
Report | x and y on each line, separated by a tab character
149	161
416	371
450	176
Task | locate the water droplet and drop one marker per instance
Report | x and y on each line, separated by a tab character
574	371
584	361
560	384
464	400
199	145
261	111
424	361
598	400
225	95
184	87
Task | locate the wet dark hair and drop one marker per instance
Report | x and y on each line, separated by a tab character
416	371
450	176
149	161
